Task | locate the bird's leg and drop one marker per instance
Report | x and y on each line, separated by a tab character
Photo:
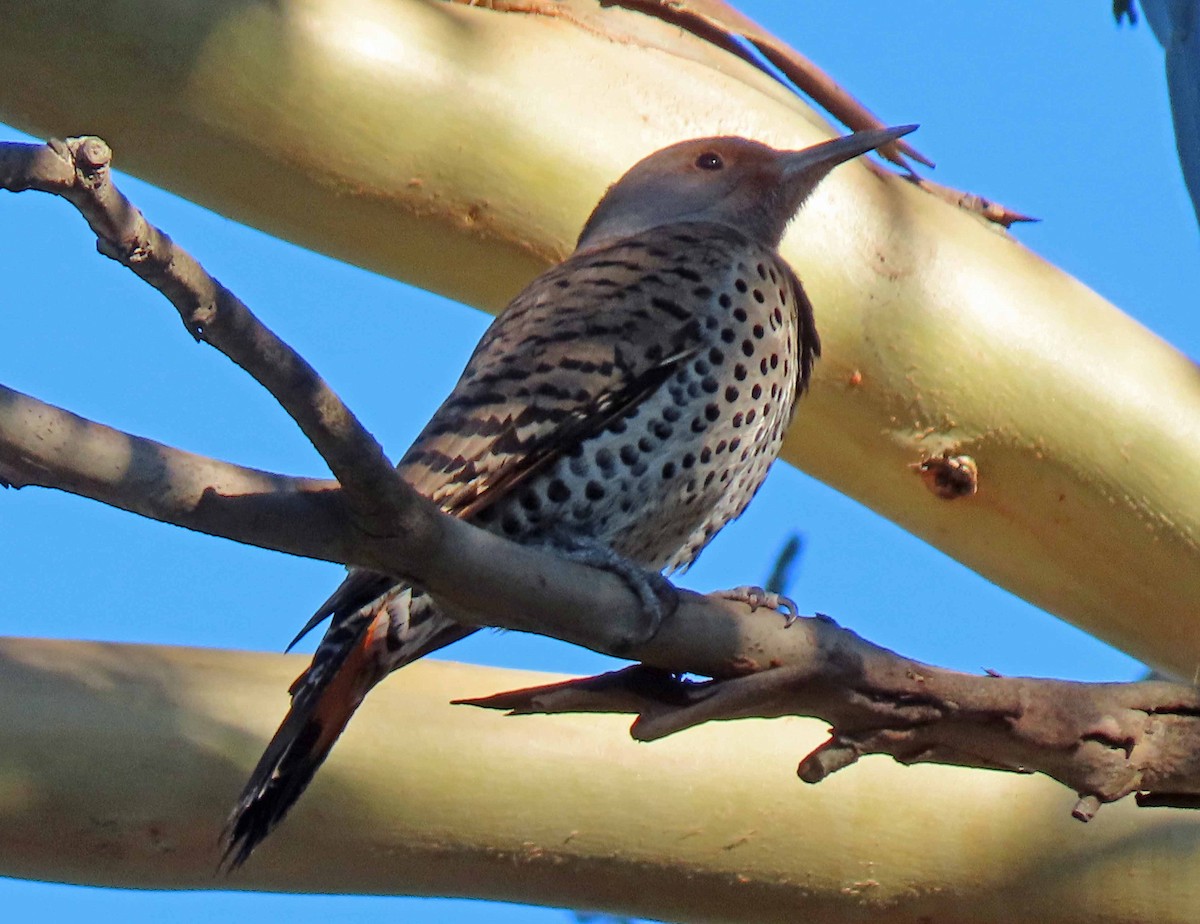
655	593
756	597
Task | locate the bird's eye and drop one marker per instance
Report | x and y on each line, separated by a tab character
710	160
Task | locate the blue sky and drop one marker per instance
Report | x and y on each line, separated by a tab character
1049	108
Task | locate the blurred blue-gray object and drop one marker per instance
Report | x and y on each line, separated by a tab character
1176	25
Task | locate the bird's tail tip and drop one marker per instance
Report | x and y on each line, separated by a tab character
324	698
280	778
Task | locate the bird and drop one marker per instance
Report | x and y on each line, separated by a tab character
624	407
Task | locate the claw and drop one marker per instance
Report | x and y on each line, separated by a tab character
650	587
756	597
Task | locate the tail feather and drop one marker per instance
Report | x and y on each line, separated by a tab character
359	587
361	647
324	698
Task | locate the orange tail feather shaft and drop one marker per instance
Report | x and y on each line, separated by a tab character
376	627
324	698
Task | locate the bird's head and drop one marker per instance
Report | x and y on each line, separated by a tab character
724	180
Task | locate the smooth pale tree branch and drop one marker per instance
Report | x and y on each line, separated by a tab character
341	126
117	762
1104	741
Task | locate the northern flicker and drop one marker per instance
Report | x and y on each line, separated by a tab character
631	399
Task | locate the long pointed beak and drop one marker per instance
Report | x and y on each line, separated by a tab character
821	158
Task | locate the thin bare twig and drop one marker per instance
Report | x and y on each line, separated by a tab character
81	174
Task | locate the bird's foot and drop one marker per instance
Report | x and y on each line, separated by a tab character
655	593
756	597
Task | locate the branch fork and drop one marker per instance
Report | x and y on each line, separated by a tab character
1103	741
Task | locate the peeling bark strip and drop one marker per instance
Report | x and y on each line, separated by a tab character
1104	741
717	22
724	27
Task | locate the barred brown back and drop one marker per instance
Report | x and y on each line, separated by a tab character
635	395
